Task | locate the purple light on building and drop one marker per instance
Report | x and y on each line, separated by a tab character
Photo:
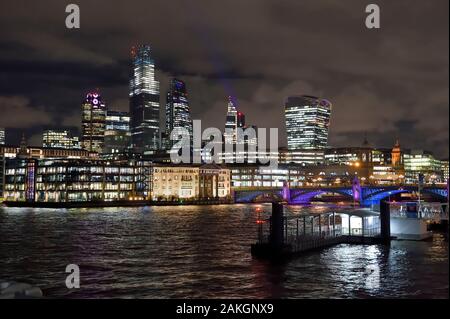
286	192
356	187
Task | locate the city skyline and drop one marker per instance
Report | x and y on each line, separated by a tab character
377	95
163	121
236	158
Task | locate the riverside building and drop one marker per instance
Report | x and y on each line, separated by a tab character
191	182
422	162
65	180
72	180
248	176
37	152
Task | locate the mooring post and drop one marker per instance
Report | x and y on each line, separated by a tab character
277	222
320	227
334	225
385	221
304	225
362	225
349	225
285	229
328	224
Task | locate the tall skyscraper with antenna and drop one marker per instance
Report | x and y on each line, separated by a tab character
144	102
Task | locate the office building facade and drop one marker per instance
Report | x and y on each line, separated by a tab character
45	152
60	139
191	182
307	122
2	136
422	162
93	123
445	170
299	156
70	180
144	102
117	132
249	176
178	114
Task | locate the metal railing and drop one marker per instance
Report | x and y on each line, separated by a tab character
366	232
429	211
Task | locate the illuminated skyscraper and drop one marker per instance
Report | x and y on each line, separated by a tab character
244	144
307	122
2	136
60	139
231	123
93	123
178	114
117	132
144	101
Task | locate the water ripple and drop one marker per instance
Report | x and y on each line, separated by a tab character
201	252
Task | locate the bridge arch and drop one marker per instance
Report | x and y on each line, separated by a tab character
369	194
438	193
251	196
306	196
267	197
375	196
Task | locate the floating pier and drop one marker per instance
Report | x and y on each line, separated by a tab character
282	236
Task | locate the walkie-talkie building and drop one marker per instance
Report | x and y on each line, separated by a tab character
144	101
307	122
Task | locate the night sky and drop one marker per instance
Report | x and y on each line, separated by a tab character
385	83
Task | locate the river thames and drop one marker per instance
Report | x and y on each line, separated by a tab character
201	252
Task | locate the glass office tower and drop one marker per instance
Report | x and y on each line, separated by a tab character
307	122
93	123
117	133
144	101
178	114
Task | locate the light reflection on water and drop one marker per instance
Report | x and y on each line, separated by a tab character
202	252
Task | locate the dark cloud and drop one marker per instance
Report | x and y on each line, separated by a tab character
385	83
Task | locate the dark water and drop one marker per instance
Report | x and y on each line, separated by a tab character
201	252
